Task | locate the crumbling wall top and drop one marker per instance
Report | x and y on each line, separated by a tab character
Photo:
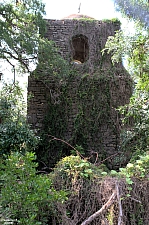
81	38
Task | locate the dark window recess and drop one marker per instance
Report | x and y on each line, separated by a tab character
80	48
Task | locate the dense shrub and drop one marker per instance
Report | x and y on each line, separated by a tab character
26	196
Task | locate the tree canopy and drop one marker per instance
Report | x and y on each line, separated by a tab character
22	28
135	49
135	9
20	22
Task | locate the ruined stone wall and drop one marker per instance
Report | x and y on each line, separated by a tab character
92	99
97	32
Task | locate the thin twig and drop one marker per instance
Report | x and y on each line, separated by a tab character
135	200
107	158
93	152
58	139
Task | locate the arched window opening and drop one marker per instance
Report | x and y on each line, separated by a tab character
80	48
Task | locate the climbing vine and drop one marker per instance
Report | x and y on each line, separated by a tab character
79	108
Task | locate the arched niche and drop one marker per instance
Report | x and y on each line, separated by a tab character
80	48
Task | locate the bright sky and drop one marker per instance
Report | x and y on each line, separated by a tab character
98	9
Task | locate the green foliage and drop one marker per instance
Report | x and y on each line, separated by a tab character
50	61
26	195
15	133
138	168
78	148
134	49
12	104
134	46
91	114
22	39
114	20
19	24
116	46
134	9
135	116
76	168
89	20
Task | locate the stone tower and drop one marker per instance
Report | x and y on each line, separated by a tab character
80	40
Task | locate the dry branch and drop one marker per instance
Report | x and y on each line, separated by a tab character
120	205
104	207
58	139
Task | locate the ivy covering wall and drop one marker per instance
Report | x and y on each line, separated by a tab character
79	107
80	110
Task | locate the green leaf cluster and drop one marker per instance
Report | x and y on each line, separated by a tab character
15	133
76	168
134	49
138	169
22	39
134	10
27	196
19	25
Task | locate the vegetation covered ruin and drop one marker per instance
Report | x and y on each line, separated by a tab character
79	106
81	157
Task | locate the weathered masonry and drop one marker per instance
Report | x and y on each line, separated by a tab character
82	108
